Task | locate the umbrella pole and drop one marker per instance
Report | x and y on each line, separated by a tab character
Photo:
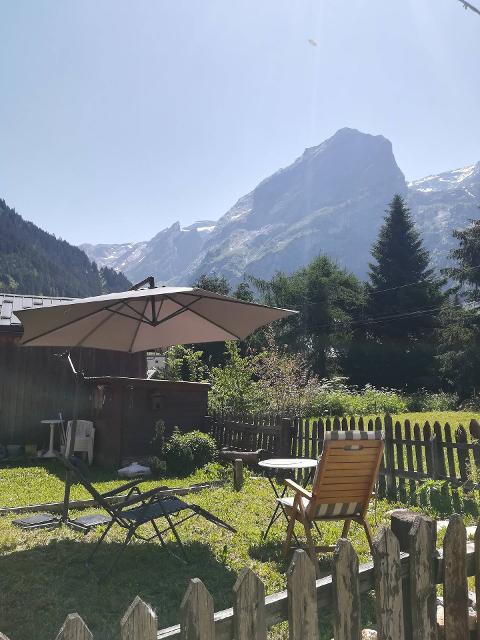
71	441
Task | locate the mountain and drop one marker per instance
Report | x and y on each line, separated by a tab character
330	200
33	261
442	203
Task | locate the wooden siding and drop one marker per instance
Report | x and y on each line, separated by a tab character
35	385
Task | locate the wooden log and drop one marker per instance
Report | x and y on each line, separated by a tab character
248	457
56	507
391	486
346	593
74	628
401	523
238	474
388	586
196	613
455	580
249	607
302	600
139	622
423	595
286	437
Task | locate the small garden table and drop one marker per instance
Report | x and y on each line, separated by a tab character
288	465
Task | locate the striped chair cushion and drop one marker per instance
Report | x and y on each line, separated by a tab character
354	435
327	510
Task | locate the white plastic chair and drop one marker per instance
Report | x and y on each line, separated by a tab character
84	438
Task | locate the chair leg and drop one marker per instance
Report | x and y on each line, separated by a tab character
346	528
163	543
177	537
368	533
99	542
311	547
289	534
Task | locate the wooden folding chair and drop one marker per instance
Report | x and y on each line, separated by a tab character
342	486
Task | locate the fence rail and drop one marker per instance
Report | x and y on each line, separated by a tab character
404	584
413	452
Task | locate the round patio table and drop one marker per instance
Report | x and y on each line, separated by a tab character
288	465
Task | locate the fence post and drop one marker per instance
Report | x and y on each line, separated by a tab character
389	456
249	622
74	628
423	594
388	586
302	598
238	474
455	598
286	434
477	574
196	613
346	593
139	622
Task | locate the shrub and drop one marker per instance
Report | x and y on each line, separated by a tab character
336	399
185	452
424	401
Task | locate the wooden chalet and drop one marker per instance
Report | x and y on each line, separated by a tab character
35	385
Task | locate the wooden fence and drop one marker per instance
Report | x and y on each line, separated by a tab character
404	584
413	453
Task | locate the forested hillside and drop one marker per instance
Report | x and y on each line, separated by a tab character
36	262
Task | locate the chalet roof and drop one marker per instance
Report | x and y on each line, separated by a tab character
10	302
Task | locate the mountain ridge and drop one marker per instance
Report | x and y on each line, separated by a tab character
331	199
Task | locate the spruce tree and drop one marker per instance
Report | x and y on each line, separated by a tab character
404	298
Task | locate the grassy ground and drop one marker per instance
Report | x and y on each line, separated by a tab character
43	577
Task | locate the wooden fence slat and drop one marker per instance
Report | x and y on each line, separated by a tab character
346	593
422	581
440	467
389	457
74	628
139	622
477	575
455	580
249	607
196	613
409	452
400	460
388	586
302	598
461	438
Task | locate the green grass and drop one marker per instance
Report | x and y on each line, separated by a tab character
454	418
43	577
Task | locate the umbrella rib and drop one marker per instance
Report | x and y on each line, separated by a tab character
87	315
174	314
97	326
138	328
197	313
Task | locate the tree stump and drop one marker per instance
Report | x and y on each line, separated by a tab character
401	522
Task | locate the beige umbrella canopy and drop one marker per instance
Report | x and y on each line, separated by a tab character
143	319
138	320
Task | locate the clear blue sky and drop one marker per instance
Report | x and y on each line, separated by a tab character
118	118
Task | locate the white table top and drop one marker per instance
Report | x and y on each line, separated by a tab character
53	421
288	463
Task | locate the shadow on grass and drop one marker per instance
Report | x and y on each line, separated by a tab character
40	586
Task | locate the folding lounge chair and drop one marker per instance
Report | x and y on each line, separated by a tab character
139	508
342	486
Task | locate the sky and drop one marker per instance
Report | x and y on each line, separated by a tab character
119	118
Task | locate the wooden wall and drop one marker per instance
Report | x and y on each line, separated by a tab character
126	410
35	385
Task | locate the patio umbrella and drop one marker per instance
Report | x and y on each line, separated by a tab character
142	319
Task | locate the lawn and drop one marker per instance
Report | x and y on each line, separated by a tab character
43	577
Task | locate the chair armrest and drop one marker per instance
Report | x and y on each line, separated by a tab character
298	488
140	498
123	487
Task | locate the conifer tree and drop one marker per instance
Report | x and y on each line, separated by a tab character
404	299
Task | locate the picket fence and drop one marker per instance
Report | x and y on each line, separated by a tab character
413	453
404	584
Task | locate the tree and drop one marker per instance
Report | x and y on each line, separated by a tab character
459	332
329	299
403	300
214	283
